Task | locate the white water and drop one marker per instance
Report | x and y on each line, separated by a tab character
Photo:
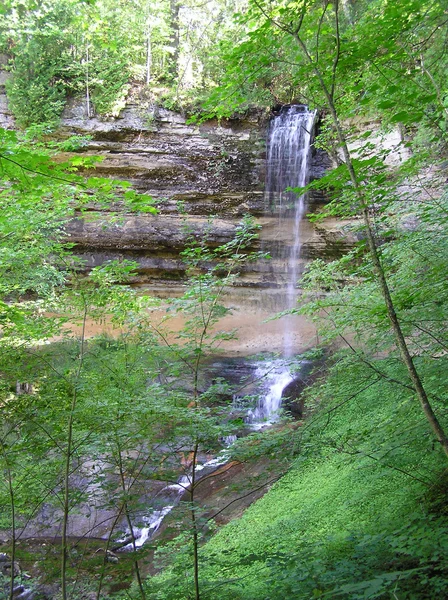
155	519
228	440
288	154
275	377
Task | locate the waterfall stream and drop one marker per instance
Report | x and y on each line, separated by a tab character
288	152
276	377
171	494
272	377
288	155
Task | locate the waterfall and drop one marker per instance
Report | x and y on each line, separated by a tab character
287	165
288	153
170	496
274	377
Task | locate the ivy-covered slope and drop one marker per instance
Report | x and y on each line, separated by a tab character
360	514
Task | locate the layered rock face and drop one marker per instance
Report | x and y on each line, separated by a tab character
204	178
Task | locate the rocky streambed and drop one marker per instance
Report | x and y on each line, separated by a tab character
224	488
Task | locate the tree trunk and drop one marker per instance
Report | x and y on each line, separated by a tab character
87	83
173	66
148	51
68	461
197	595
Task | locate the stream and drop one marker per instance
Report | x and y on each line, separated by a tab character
270	379
287	160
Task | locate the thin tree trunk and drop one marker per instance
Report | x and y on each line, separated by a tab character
87	82
173	67
13	520
197	594
207	319
106	549
435	86
129	522
148	52
134	548
68	460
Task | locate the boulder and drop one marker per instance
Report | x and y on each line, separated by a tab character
291	397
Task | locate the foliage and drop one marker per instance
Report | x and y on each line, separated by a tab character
379	44
351	519
91	422
99	49
44	413
36	92
366	452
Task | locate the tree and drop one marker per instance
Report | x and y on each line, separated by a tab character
330	53
103	49
111	400
210	273
42	431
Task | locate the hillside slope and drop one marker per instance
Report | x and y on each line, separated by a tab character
360	514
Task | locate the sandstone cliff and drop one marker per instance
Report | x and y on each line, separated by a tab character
207	175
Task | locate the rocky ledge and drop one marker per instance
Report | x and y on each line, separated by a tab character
206	176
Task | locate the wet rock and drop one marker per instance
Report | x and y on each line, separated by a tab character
292	394
151	233
291	397
214	170
320	164
169	157
20	592
111	557
330	240
23	593
6	566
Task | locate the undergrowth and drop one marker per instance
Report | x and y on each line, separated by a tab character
361	513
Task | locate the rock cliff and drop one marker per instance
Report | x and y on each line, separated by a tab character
212	174
204	176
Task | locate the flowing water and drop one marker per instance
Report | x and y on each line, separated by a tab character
288	156
275	377
170	496
288	153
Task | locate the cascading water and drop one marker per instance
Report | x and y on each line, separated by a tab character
170	496
288	153
275	378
